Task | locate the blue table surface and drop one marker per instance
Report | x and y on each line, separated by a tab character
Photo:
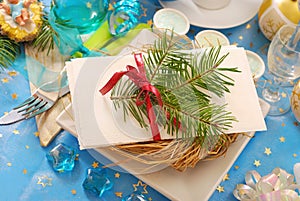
25	173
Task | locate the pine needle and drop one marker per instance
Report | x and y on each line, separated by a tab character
9	50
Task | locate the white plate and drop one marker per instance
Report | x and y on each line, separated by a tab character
236	13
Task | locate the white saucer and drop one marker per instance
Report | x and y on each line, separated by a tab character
236	13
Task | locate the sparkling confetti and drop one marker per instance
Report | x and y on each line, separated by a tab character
14	96
117	175
296	123
44	181
283	95
110	7
37	134
220	189
73	191
241	37
235	44
95	164
267	151
150	199
283	124
27	147
281	110
251	45
119	194
12	73
282	139
226	177
248	26
16	132
295	155
9	164
257	163
88	5
140	183
236	167
150	22
24	171
4	80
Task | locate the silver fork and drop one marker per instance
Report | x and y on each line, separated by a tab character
39	102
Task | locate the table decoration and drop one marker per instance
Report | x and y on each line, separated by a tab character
274	14
295	100
276	186
9	50
210	38
20	20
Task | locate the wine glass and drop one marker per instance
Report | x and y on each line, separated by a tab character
284	64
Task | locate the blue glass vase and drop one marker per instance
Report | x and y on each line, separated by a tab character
85	15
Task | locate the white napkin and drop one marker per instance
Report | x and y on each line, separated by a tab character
96	125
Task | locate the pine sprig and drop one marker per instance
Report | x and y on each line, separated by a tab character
186	82
9	50
45	39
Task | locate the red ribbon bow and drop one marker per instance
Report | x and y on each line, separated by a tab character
138	76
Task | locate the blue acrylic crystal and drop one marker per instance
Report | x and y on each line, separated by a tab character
134	197
62	157
97	181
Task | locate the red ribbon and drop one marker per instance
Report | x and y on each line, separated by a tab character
138	76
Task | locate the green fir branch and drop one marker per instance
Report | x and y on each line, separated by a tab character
45	39
185	81
9	50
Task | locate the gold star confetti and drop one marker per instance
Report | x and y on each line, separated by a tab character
5	113
251	45
236	167
4	80
119	194
44	181
248	26
16	132
150	199
61	171
296	123
14	96
73	191
12	73
88	5
150	22
9	164
257	163
295	155
226	177
77	157
282	139
140	183
220	189
27	147
283	124
241	37
235	44
110	7
268	151
281	110
283	95
117	175
36	134
95	164
24	171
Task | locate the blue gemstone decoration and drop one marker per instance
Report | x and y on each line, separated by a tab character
97	181
134	197
62	157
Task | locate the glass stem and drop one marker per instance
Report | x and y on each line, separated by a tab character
271	92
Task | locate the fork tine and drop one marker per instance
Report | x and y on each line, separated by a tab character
33	103
27	101
41	110
38	106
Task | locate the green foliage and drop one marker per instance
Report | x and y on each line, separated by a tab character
45	39
186	81
9	50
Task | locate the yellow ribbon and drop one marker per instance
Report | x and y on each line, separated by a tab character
276	186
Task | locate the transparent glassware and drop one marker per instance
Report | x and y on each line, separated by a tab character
85	15
284	65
